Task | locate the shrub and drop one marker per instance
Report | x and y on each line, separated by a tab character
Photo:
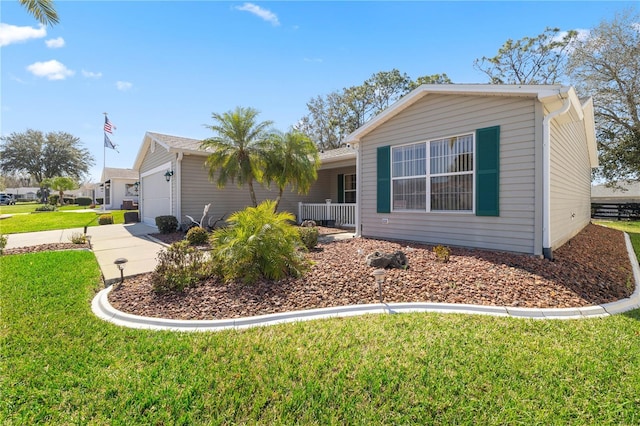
84	201
78	238
309	236
442	253
197	235
258	243
179	267
105	219
53	199
3	242
46	208
167	224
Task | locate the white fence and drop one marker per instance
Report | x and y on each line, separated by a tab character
338	214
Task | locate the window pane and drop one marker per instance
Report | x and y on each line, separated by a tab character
452	155
409	160
410	194
349	182
452	193
350	196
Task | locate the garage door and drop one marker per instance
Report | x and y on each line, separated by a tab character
155	197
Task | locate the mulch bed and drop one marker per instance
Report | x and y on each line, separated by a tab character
592	268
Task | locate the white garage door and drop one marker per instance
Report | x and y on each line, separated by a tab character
155	197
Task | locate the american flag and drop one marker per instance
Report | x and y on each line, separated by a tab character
108	127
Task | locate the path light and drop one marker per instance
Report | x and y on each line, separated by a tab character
378	274
120	264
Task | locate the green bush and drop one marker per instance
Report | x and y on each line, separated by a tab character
105	219
258	243
46	208
197	235
309	236
167	224
179	267
84	201
3	242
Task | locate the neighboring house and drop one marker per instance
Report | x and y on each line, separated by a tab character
175	181
484	166
630	193
499	167
118	188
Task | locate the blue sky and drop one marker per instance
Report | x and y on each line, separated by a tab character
166	66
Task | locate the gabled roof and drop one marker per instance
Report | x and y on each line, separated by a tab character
192	146
115	173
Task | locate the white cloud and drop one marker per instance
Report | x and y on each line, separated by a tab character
10	34
317	60
52	70
123	86
90	74
582	36
55	43
264	14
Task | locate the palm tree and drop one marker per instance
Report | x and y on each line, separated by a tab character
61	184
43	10
291	159
236	148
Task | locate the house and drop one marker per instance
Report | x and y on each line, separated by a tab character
118	188
175	181
500	167
626	192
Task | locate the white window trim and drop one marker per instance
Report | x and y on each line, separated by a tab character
428	176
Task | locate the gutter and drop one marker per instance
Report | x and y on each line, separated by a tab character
546	177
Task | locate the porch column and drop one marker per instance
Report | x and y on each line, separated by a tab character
356	147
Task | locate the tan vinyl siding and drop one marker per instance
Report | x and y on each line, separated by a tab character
197	191
570	182
437	116
159	157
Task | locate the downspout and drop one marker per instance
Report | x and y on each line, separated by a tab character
546	177
356	147
179	186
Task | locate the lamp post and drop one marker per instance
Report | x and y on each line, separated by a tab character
120	264
378	274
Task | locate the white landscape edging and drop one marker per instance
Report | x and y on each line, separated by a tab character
103	309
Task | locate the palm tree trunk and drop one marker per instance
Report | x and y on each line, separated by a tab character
253	193
275	208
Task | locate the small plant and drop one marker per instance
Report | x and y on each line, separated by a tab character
105	219
309	236
46	208
442	253
258	243
78	238
84	201
167	224
3	242
197	235
179	267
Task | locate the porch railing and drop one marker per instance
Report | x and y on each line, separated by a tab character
328	213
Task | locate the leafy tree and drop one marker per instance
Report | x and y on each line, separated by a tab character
236	148
44	156
291	159
606	65
43	10
61	184
332	117
530	60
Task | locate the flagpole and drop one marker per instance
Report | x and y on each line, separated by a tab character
104	165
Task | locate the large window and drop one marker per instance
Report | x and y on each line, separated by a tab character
435	175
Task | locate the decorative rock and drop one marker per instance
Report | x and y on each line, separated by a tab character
308	223
387	260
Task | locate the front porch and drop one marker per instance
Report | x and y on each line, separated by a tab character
338	215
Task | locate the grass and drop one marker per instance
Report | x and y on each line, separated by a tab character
65	218
62	365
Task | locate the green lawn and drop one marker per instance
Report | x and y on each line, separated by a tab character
62	365
29	221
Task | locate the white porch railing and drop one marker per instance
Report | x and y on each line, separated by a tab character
343	214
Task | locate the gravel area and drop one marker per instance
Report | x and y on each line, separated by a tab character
592	268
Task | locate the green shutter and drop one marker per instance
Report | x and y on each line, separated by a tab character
384	179
488	171
341	188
